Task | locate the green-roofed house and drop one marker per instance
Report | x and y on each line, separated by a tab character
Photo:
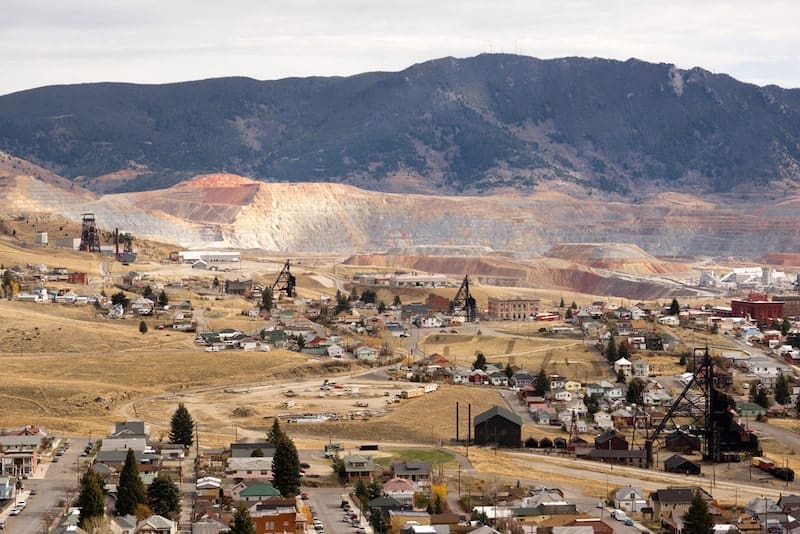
498	426
255	492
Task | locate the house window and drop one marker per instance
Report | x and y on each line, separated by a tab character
270	525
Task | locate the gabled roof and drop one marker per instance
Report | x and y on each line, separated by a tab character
624	493
411	468
682	495
398	484
676	460
498	410
385	502
156	521
260	489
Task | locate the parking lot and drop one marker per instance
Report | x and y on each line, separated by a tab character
326	505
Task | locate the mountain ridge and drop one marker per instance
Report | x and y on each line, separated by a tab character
489	123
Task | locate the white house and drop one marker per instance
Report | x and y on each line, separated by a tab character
335	351
629	499
142	306
400	489
669	320
603	420
562	395
366	354
624	365
638	313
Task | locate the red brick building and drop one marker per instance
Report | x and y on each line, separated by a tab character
758	308
277	516
512	308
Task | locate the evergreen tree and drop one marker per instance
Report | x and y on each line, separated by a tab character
761	398
509	371
674	307
561	303
266	298
90	499
286	466
164	497
374	490
378	522
611	350
786	325
574	306
568	314
715	328
142	327
621	376
242	522
130	490
634	393
361	492
782	395
342	303
381	306
542	384
397	301
275	433
148	293
163	299
697	519
480	362
120	298
623	351
182	427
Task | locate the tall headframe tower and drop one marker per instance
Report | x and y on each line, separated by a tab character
90	238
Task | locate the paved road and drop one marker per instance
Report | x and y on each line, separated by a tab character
52	482
326	504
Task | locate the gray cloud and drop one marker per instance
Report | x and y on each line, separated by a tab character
46	42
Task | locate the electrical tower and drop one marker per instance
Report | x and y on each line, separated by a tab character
90	237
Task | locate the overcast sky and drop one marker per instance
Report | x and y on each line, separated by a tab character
44	42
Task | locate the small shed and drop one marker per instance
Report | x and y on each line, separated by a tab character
678	464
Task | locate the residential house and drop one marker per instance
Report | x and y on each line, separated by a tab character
638	313
623	365
400	489
603	420
499	378
143	306
384	504
562	395
499	426
366	354
630	499
156	524
674	500
640	368
622	417
418	473
578	407
616	392
19	454
573	386
357	466
335	351
556	382
522	379
543	415
258	467
254	492
209	489
656	397
125	524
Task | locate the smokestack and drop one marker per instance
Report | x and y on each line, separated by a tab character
469	423
456	421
